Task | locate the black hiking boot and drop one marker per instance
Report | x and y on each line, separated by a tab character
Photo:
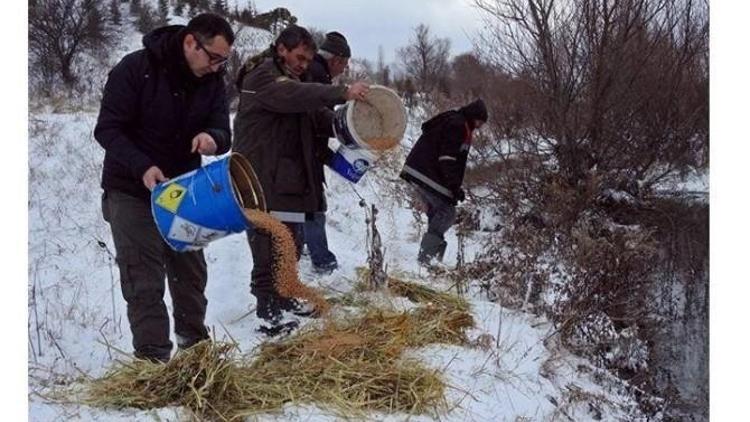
280	328
326	269
269	310
297	307
184	343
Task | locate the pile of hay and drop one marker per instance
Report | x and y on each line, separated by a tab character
204	379
350	366
357	365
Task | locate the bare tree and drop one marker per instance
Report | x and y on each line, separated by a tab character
114	12
179	7
135	7
620	86
60	30
601	100
162	13
425	59
147	18
405	87
358	70
469	76
247	14
382	73
220	7
319	35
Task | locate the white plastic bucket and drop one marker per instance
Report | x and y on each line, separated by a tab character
381	115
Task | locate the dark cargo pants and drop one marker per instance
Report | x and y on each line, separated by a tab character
144	259
262	285
441	215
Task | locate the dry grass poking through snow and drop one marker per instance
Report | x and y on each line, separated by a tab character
421	294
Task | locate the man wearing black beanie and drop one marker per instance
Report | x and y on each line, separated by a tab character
336	44
435	168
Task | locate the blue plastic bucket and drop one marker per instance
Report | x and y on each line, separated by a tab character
206	204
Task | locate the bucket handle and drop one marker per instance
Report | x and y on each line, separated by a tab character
214	186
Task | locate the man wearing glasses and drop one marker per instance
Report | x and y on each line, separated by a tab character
163	107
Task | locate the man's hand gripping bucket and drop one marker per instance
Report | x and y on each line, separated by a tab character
206	204
366	129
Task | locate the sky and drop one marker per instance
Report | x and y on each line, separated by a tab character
368	24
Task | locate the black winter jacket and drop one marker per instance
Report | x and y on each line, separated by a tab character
318	72
277	124
438	160
152	108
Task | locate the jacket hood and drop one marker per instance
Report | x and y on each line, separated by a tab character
323	62
164	42
165	45
475	111
438	120
318	71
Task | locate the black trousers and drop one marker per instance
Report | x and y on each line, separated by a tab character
144	259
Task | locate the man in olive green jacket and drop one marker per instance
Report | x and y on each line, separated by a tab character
277	124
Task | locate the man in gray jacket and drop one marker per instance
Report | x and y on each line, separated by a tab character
277	124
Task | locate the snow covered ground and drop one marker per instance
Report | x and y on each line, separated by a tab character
77	315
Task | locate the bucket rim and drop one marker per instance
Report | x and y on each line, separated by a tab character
350	125
350	119
367	154
254	181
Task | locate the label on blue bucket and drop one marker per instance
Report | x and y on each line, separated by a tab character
350	163
171	197
186	231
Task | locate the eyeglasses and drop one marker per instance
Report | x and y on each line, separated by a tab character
213	58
